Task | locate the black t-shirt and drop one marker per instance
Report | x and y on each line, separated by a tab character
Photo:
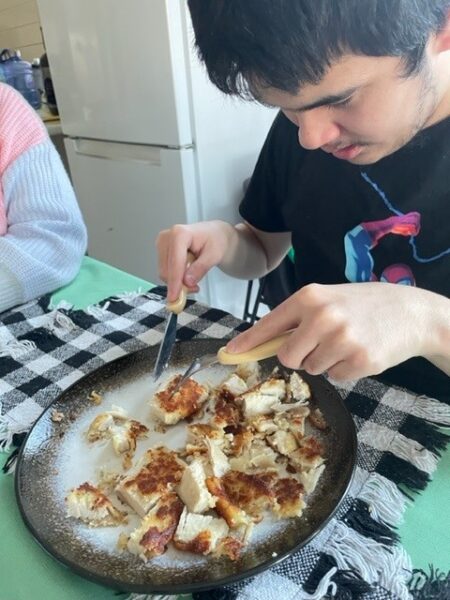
389	221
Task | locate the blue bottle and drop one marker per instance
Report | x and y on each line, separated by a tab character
19	74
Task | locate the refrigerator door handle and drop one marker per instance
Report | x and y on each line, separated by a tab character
118	151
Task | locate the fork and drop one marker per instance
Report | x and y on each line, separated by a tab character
223	357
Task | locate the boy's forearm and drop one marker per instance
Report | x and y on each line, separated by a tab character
438	351
436	346
250	257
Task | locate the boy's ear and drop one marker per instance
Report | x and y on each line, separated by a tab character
441	42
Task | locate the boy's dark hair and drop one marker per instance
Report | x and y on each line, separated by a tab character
287	43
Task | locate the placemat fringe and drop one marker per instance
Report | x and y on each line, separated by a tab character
17	421
390	567
58	320
128	297
16	348
403	473
349	585
360	519
432	586
414	453
384	500
326	587
431	410
426	433
98	311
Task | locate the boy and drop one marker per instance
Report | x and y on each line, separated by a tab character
355	174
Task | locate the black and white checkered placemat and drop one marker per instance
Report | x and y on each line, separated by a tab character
43	351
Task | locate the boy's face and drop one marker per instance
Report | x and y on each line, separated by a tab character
363	109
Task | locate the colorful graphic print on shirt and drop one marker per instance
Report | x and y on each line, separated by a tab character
362	239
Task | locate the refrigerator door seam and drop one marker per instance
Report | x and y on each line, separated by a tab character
121	143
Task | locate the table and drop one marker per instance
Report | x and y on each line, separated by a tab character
26	571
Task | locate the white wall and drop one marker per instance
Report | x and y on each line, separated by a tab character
229	134
20	27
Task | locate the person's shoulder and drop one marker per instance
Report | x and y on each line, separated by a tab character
7	92
10	97
13	103
20	126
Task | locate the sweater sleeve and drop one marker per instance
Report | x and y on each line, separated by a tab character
46	237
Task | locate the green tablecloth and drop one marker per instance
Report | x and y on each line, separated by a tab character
27	572
96	281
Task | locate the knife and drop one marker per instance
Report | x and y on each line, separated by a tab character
174	308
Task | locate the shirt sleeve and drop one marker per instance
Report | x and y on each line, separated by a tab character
268	190
46	237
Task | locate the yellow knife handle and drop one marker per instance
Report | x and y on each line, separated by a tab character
266	350
178	305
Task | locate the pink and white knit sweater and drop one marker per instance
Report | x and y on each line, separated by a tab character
42	234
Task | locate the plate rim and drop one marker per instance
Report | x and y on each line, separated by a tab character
175	588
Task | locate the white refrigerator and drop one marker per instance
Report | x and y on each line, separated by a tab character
150	141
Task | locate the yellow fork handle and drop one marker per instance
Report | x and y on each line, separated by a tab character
265	350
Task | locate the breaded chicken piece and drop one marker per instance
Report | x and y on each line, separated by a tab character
233	386
264	424
169	407
198	433
296	421
257	457
201	435
297	388
229	546
157	473
250	372
288	498
310	478
100	427
124	439
252	492
218	463
125	435
157	529
192	488
263	398
318	420
227	413
90	505
308	456
241	437
199	534
233	515
233	544
283	442
121	430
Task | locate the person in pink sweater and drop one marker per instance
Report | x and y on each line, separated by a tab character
42	234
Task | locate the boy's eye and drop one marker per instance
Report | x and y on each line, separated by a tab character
341	103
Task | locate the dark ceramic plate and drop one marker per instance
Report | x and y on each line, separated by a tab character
42	504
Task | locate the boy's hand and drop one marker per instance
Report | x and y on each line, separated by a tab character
352	330
208	242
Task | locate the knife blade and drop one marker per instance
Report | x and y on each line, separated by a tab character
166	347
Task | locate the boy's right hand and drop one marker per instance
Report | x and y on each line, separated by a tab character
208	241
